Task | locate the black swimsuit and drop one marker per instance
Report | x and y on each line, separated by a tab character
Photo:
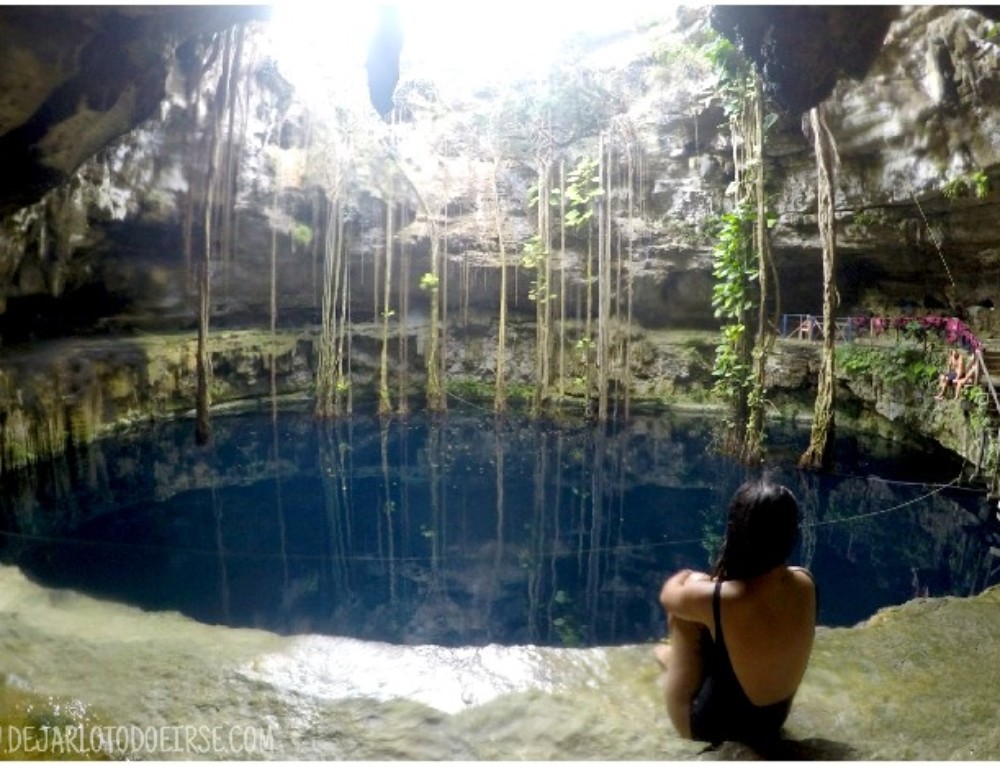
721	710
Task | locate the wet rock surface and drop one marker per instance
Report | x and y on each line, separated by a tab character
916	682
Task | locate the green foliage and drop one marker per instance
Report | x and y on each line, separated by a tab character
480	391
302	234
912	366
429	282
733	75
533	257
979	410
731	299
569	103
868	218
676	55
470	390
534	253
582	190
712	537
971	185
725	59
731	269
583	182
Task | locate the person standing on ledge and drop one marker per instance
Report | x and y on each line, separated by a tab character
740	637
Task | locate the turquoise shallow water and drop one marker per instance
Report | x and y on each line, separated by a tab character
464	531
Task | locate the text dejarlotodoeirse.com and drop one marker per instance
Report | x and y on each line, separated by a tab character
84	740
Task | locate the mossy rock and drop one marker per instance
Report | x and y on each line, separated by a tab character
46	728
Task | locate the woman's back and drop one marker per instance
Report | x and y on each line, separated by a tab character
761	614
768	624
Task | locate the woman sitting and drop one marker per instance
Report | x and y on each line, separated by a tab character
740	637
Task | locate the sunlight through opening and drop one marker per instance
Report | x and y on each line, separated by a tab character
321	49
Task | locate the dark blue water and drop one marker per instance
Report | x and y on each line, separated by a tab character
465	530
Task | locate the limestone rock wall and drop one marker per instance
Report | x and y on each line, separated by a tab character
108	244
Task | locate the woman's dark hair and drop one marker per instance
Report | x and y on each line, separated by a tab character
761	531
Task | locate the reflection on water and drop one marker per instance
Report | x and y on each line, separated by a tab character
466	530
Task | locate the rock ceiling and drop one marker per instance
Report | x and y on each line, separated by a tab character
73	78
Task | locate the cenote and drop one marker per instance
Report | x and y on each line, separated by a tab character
467	530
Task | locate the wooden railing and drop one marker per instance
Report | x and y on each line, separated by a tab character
985	379
810	327
949	329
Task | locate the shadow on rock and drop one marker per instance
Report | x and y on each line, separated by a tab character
815	749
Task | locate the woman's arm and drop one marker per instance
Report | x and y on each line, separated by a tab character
688	595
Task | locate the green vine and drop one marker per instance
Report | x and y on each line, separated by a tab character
534	255
741	252
731	300
582	190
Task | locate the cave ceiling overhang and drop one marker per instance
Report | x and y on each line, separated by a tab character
802	51
112	62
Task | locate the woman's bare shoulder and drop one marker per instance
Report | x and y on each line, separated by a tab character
804	583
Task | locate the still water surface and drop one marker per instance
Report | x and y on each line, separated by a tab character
467	531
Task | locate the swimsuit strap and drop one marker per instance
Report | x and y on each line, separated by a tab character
717	612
